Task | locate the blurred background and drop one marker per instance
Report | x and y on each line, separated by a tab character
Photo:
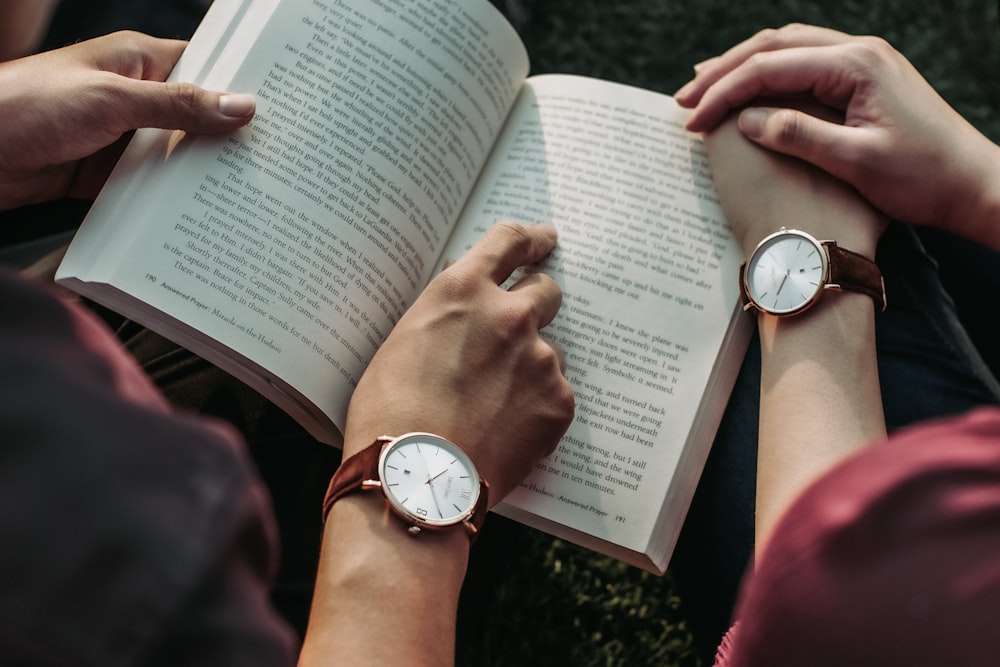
540	601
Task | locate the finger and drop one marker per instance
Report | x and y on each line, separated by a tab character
179	106
834	148
709	72
135	55
704	65
816	70
161	56
507	246
544	295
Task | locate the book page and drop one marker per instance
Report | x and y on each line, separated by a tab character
299	241
648	268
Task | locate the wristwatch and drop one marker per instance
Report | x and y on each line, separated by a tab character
789	270
427	481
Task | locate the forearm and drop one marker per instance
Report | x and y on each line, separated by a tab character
820	398
383	596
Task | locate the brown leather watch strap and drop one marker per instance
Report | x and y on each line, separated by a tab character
479	515
351	473
852	271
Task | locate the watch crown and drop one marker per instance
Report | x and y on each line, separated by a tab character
413	530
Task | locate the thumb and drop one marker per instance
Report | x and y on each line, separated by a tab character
831	146
182	106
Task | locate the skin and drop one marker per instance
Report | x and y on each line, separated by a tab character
65	111
896	140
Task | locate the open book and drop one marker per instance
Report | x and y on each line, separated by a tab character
389	136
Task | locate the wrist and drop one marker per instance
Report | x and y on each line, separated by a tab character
367	554
366	536
975	213
427	481
382	593
791	271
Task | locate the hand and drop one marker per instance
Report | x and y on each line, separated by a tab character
466	362
761	191
898	142
61	109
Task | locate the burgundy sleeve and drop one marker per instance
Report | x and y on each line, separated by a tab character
131	534
892	558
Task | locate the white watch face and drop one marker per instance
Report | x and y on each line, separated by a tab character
786	272
429	479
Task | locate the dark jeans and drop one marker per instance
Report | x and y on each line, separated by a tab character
928	367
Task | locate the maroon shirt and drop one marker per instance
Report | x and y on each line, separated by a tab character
892	558
131	534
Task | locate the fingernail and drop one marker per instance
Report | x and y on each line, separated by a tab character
751	122
684	90
547	229
237	106
703	64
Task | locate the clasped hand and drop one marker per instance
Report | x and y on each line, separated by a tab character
897	142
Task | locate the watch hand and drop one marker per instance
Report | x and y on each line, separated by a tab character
434	495
431	479
427	466
784	278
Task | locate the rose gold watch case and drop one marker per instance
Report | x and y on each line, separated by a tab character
417	521
751	303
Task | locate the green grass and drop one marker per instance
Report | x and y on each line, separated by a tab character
555	604
558	604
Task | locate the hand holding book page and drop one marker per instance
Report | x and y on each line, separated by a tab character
286	252
290	249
